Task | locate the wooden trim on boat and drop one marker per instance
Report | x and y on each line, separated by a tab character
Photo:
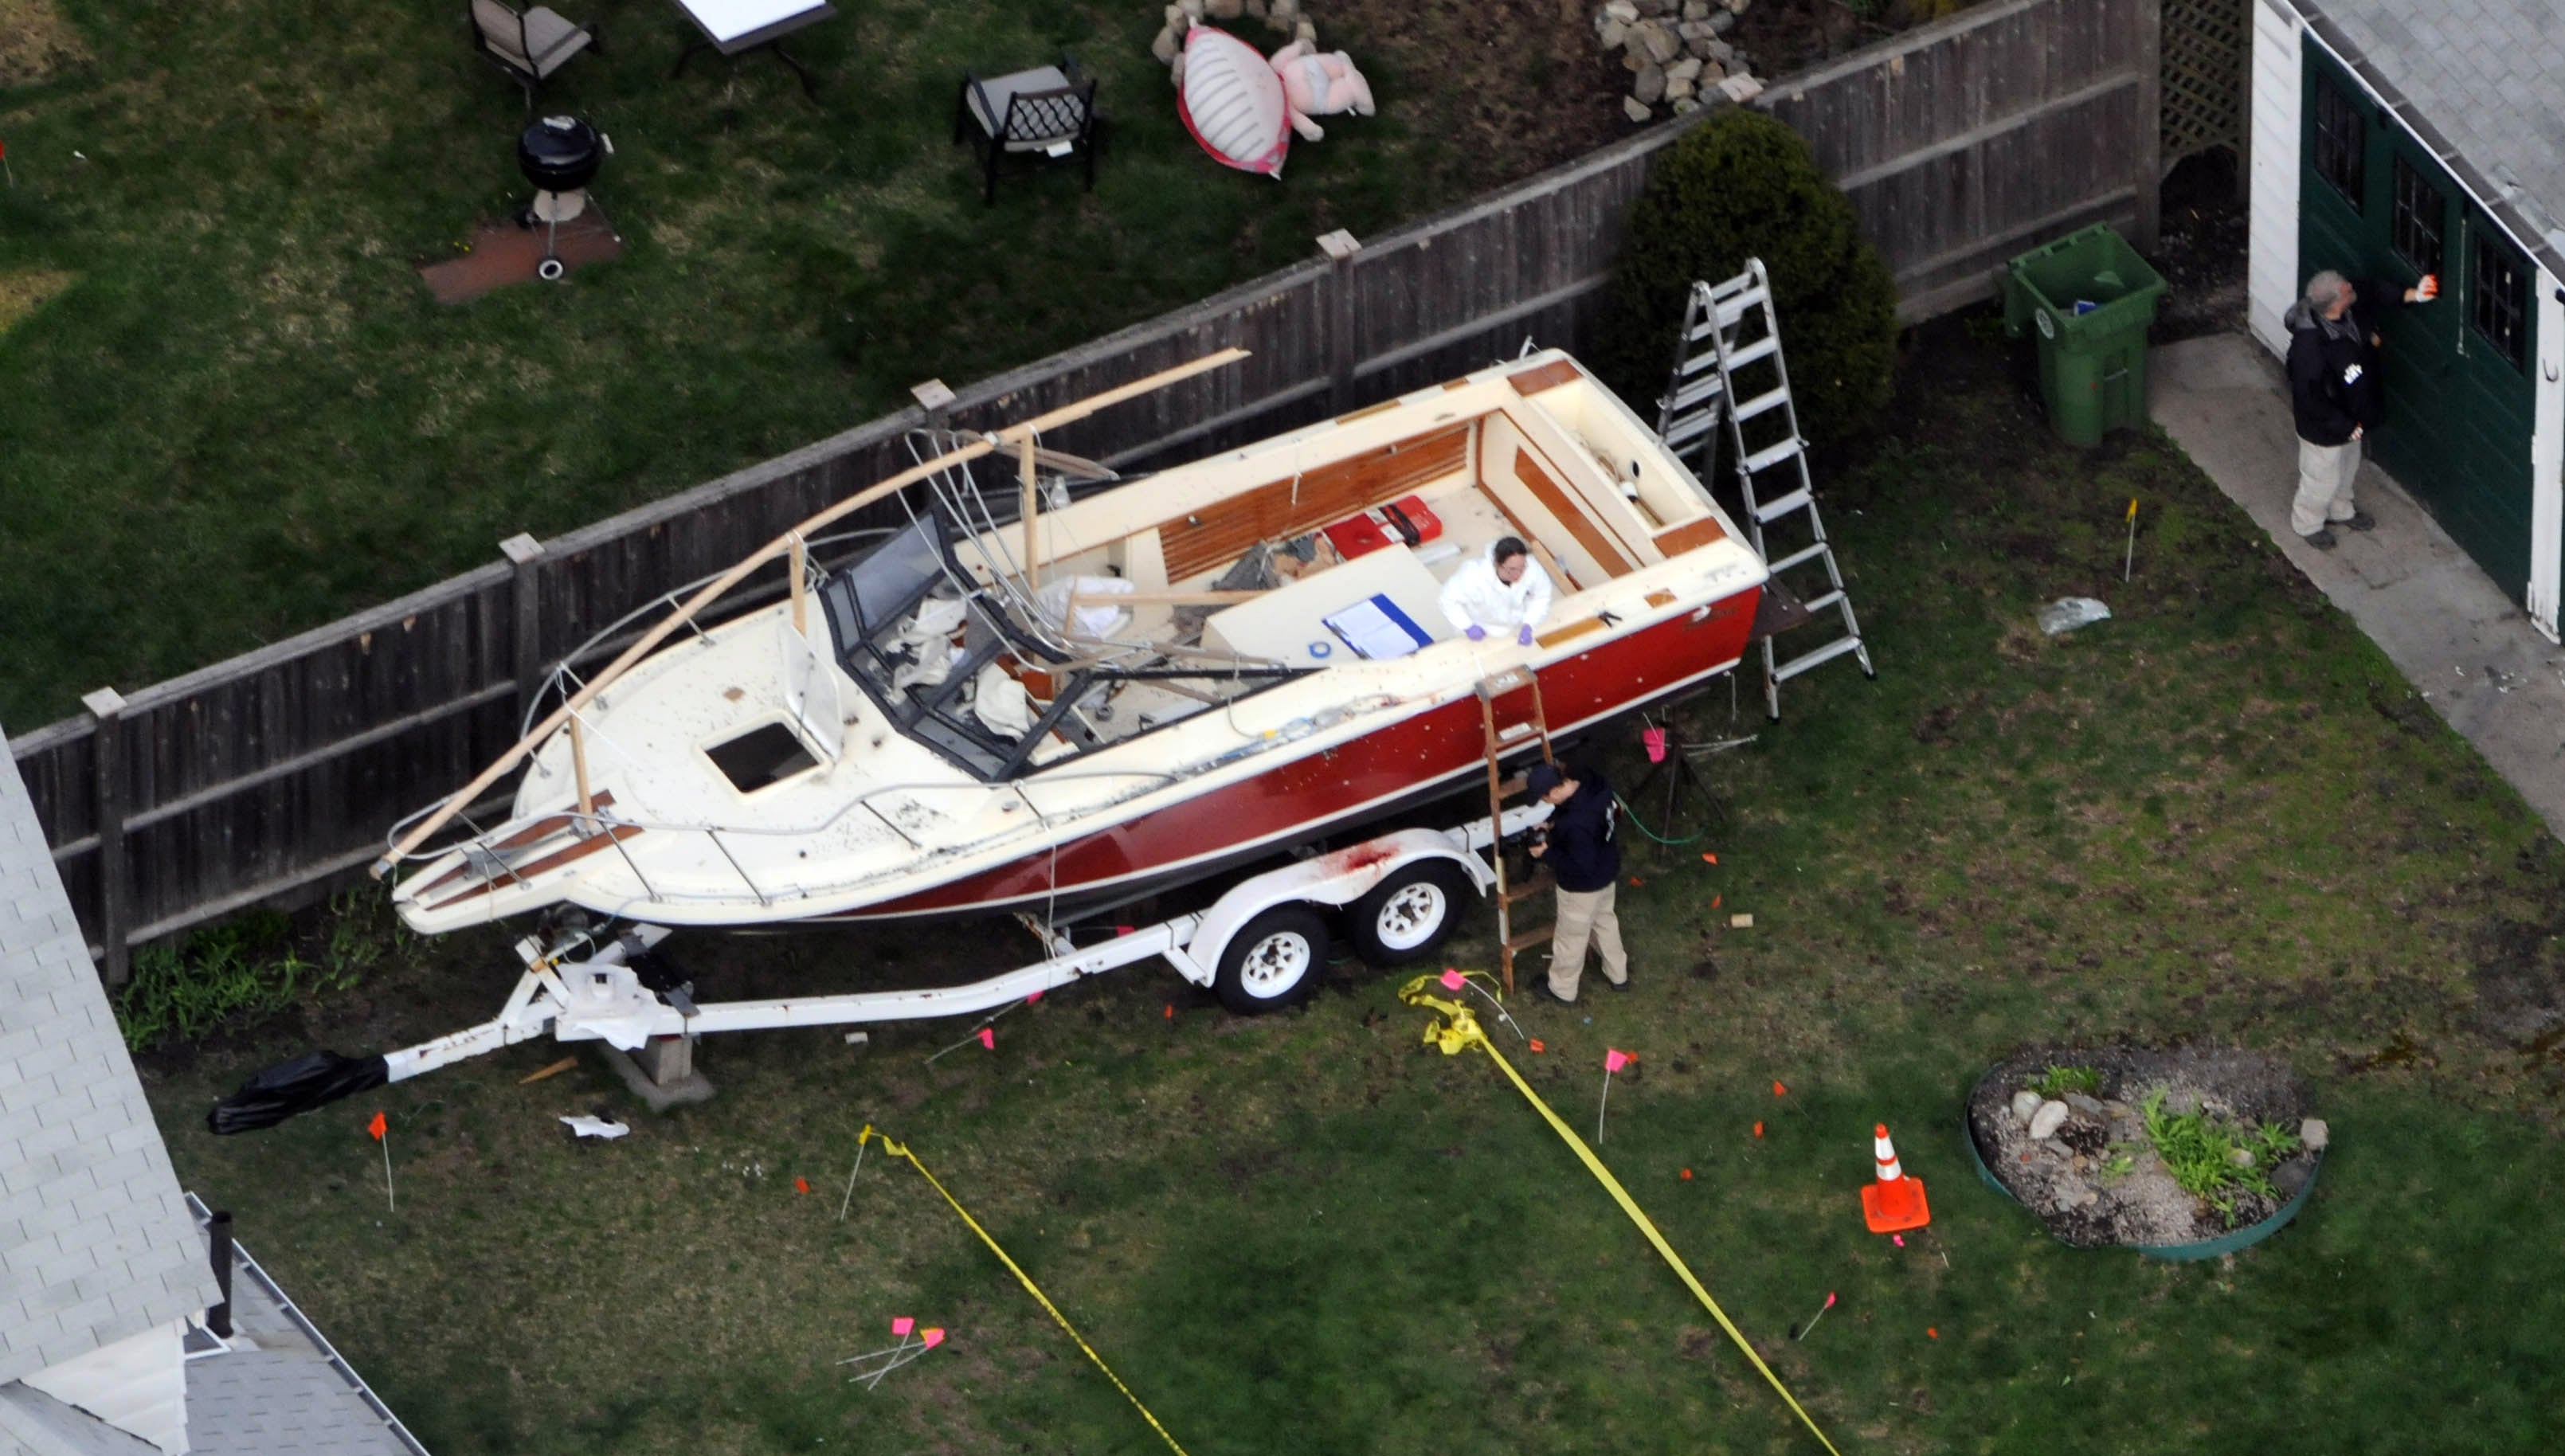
1368	410
540	830
1680	539
1548	377
553	860
1570	632
1597	543
1297	504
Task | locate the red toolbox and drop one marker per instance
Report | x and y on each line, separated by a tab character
1406	521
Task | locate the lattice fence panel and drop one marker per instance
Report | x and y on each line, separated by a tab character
2207	44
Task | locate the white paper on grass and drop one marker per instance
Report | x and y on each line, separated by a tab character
2069	613
596	1128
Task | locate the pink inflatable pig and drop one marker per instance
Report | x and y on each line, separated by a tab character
1318	84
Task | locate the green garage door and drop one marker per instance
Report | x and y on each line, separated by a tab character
2460	402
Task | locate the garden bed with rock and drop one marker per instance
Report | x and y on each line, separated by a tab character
2119	1146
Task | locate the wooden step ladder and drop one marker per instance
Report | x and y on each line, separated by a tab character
1500	788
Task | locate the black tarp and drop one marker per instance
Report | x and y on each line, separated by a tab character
308	1082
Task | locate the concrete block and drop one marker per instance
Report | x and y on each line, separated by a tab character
686	1088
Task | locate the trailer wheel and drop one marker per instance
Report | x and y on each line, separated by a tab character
1407	916
1273	960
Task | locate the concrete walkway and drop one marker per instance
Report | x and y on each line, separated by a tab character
2468	648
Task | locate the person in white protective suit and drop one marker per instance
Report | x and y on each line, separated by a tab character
1504	589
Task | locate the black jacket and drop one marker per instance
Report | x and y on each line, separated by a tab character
2333	382
1584	852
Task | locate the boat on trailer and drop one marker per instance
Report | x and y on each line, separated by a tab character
1040	700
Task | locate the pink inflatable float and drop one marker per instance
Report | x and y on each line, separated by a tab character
1233	102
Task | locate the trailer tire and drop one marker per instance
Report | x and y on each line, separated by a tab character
1407	916
1273	961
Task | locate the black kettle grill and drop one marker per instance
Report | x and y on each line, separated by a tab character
560	156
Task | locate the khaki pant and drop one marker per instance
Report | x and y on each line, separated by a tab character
2324	485
1580	917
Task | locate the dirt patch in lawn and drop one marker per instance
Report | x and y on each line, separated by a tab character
1520	84
25	292
35	41
2100	1176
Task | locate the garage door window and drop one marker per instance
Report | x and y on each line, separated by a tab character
2420	211
2500	301
2340	142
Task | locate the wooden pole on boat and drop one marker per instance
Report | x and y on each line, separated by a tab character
1025	453
712	590
800	552
579	767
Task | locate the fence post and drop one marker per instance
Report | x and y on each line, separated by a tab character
115	888
2148	161
523	553
1340	247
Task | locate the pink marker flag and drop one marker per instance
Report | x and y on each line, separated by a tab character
1453	980
988	1038
933	1337
901	1326
1615	1061
1030	1000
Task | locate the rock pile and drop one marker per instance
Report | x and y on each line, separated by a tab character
1676	53
1284	16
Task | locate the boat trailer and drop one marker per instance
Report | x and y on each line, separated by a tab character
1260	947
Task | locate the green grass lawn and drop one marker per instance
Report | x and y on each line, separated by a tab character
2220	817
229	409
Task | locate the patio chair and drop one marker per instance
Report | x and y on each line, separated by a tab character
1045	114
529	45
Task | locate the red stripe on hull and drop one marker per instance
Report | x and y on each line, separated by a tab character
1320	786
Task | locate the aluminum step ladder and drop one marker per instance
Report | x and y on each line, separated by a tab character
1500	741
1729	368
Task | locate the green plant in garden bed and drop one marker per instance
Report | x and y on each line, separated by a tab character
2057	1082
2200	1151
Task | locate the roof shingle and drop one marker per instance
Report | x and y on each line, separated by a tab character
96	1241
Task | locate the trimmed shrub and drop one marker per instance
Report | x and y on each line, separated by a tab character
1743	185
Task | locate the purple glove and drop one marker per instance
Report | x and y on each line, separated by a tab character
1524	636
1476	634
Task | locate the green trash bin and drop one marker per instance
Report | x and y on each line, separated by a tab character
2089	297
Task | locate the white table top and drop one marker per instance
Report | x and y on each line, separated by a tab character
727	22
1284	623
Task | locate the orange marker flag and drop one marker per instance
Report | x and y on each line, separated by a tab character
1780	1091
1758	1129
378	1127
800	1185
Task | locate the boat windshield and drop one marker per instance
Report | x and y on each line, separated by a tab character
999	682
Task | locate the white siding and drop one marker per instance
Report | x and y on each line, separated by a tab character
2547	459
2271	271
137	1385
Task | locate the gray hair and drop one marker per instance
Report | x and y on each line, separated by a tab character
2326	289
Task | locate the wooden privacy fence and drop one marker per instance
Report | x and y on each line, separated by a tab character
270	777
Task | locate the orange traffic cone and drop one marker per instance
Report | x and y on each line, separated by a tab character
1895	1203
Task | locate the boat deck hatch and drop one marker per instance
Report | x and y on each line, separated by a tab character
765	755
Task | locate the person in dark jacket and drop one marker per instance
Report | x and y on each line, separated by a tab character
1580	850
2336	394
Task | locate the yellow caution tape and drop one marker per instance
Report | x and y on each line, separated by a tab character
1457	1033
900	1151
